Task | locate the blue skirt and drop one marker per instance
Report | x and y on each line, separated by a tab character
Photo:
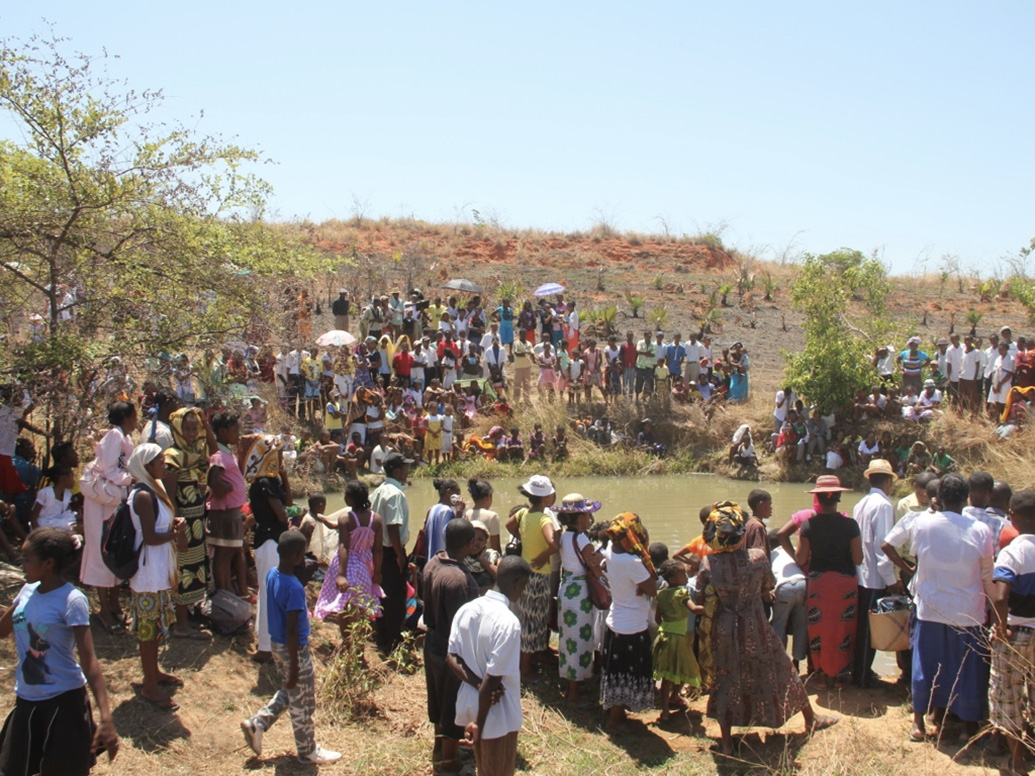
950	670
506	332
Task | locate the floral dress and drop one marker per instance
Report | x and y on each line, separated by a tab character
362	593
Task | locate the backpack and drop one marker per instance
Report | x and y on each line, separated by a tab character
119	549
227	613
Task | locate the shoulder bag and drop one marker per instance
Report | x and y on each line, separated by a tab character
598	592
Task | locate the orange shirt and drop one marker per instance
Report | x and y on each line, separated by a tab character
696	547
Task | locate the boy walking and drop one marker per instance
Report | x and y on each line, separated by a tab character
289	634
1013	646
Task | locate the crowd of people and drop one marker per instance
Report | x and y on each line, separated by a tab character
206	492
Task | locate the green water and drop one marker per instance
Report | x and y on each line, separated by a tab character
668	505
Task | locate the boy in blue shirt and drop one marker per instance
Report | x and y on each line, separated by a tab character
1013	644
289	634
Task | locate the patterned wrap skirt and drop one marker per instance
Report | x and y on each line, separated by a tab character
533	611
192	563
627	678
833	606
576	619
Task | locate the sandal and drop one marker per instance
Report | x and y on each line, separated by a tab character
917	736
165	703
823	722
193	634
170	680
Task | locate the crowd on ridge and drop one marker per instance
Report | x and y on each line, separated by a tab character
207	493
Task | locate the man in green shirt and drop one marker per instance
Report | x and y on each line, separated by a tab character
390	502
645	361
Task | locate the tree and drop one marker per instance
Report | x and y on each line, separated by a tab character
133	237
842	297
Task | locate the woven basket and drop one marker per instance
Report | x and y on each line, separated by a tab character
889	631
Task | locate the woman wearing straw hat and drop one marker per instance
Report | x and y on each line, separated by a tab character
539	542
830	548
576	615
755	683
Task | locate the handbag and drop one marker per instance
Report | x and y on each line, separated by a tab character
514	545
598	592
96	487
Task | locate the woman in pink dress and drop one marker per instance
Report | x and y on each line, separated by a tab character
352	587
105	483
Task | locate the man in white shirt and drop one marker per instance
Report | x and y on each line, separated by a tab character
783	401
875	515
954	566
790	609
972	372
953	363
991	352
1003	367
485	653
692	365
280	373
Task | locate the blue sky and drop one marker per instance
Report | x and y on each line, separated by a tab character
898	127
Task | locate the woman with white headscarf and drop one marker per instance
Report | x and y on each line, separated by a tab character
158	533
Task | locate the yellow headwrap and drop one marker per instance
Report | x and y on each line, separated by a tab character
724	530
263	458
627	531
190	459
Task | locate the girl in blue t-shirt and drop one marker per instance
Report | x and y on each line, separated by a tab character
51	728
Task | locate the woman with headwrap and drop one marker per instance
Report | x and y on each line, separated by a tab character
830	547
152	513
268	494
754	683
186	463
627	673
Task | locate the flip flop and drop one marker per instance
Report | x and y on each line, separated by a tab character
171	681
163	704
823	722
195	635
917	736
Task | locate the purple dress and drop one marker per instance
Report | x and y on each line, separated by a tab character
362	593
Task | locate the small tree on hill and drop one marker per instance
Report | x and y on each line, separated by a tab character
842	297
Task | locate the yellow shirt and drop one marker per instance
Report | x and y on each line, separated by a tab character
533	543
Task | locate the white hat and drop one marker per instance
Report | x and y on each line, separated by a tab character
538	485
343	291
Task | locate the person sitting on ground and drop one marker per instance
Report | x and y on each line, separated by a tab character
560	444
942	461
869	448
537	443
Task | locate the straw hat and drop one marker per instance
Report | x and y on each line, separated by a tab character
576	502
828	483
879	466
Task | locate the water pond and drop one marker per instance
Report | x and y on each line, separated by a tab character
667	504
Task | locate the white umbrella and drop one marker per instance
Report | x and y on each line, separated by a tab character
335	338
549	289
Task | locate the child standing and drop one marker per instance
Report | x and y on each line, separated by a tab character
447	434
1013	644
49	618
674	662
289	632
352	586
